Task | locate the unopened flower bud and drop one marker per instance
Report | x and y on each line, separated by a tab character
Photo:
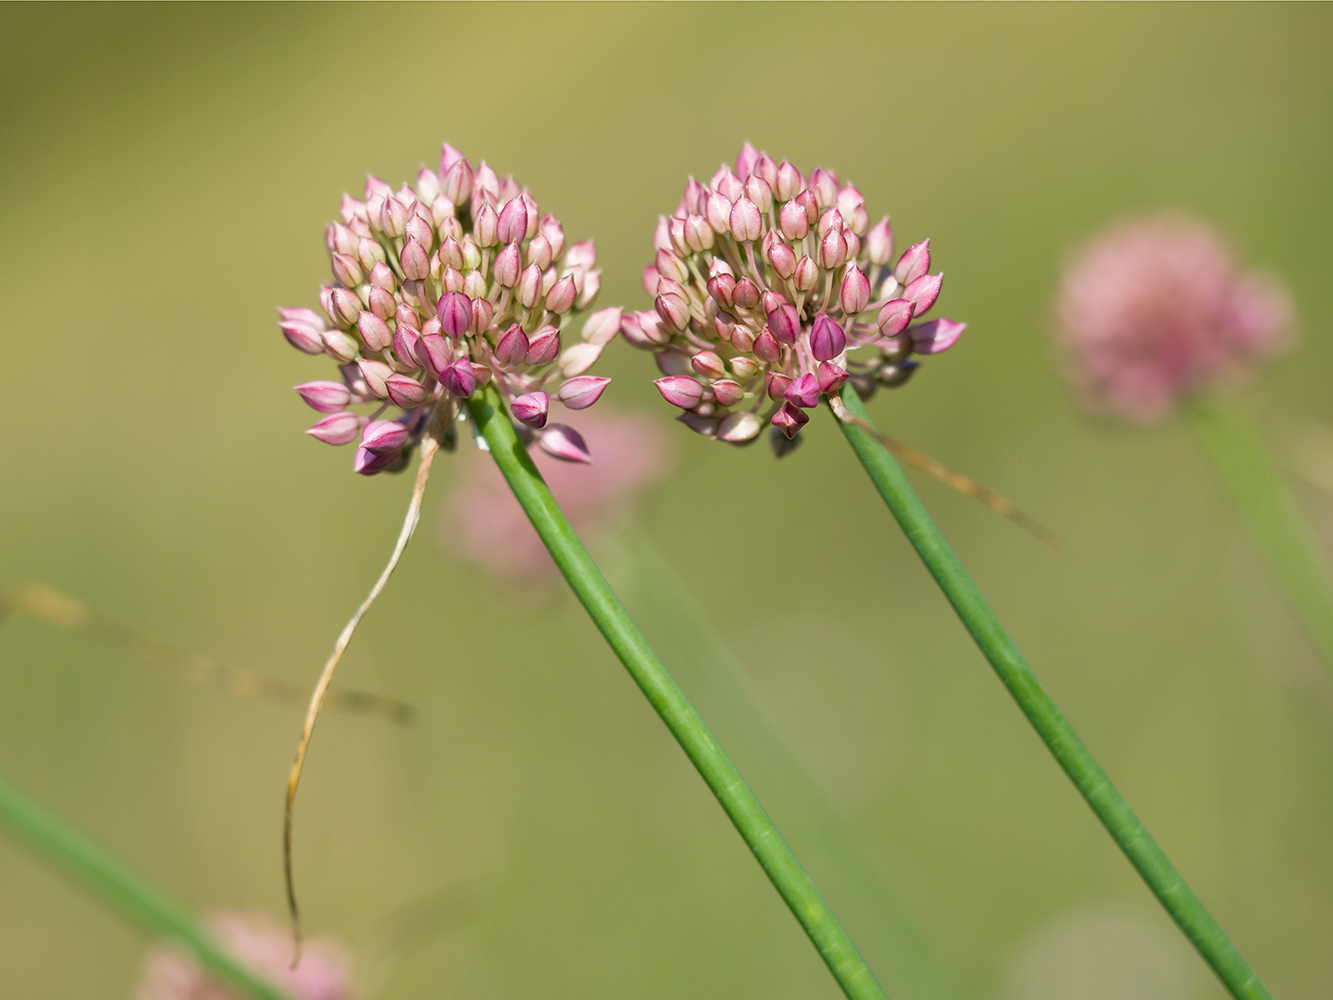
806	274
745	220
578	358
914	262
727	392
346	270
450	254
512	348
513	221
374	373
420	230
382	279
806	199
783	259
393	217
368	462
680	390
434	353
789	420
326	397
370	254
790	183
746	160
792	221
832	250
827	339
381	436
581	392
337	429
484	227
405	391
853	244
455	314
766	347
777	384
345	307
564	443
804	392
554	234
741	337
560	299
674	310
592	284
531	408
339	239
460	379
758	191
894	317
831	377
415	261
708	364
743	368
374	331
923	291
529	288
935	335
602	326
717	211
405	343
508	263
673	361
539	252
825	186
738	427
481	307
302	328
854	295
543	346
698	234
339	345
745	294
456	183
721	287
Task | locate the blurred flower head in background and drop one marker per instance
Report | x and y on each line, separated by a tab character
483	523
442	288
262	946
1156	310
764	280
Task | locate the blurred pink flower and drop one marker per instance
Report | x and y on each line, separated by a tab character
484	524
261	945
1157	309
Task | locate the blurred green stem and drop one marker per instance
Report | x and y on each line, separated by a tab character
628	643
94	869
1256	486
680	626
1124	827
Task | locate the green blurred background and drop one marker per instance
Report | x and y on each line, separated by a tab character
167	174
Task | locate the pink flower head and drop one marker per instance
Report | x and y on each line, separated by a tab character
484	524
1158	309
262	946
768	273
431	300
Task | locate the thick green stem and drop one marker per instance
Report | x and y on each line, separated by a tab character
681	629
1256	487
94	869
628	643
1124	827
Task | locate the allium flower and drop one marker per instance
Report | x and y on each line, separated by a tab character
484	524
439	289
1158	309
263	947
764	281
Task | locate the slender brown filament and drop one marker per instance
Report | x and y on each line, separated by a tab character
1000	504
56	608
429	446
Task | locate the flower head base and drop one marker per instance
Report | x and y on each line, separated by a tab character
263	947
441	288
1158	309
764	281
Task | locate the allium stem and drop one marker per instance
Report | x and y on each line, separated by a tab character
689	729
1055	731
1255	485
708	668
95	869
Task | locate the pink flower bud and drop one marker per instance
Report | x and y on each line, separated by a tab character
807	273
513	222
435	354
766	347
827	339
592	283
484	227
531	408
708	364
783	259
806	199
448	157
375	372
375	186
923	291
644	329
381	436
405	344
302	328
560	299
726	183
745	294
554	234
777	386
745	160
508	263
543	346
698	234
673	361
456	182
825	186
743	368
671	266
741	337
405	315
405	391
790	183
721	288
578	359
539	252
451	254
393	217
854	295
345	307
650	279
481	310
832	249
707	426
346	270
512	348
581	392
894	317
564	443
455	314
792	221
804	392
745	221
831	377
680	390
785	323
914	262
529	289
935	335
339	345
602	326
789	420
738	427
727	392
326	397
416	264
717	210
340	428
460	379
371	255
420	230
367	462
759	192
382	280
674	310
339	239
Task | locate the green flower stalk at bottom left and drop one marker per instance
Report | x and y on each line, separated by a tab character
686	725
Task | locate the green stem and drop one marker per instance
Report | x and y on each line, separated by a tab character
628	643
1124	827
1256	486
92	867
681	629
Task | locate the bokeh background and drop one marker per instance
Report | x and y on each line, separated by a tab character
167	173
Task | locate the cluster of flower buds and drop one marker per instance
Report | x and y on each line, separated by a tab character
764	280
440	289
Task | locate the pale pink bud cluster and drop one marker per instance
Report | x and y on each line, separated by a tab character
763	282
263	947
1158	309
441	288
